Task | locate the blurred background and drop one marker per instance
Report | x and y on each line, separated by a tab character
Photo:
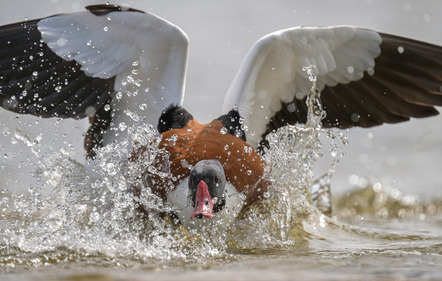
405	156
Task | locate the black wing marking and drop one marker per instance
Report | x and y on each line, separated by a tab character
173	117
406	83
233	123
34	80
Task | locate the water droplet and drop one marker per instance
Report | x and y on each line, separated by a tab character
122	126
107	107
249	172
400	49
94	217
174	137
105	28
61	42
90	111
223	131
184	163
355	117
291	107
110	169
226	147
28	86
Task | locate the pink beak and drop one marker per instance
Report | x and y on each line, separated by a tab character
203	202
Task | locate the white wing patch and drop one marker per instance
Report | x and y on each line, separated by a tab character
146	54
98	43
107	45
272	71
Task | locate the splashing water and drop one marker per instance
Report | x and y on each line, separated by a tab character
295	198
315	112
77	211
90	211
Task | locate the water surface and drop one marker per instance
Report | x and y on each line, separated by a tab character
61	221
78	223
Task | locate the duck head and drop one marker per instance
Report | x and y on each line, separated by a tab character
207	184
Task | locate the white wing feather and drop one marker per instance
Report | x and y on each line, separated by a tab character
272	71
146	54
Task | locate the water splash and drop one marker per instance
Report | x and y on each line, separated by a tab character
76	211
296	198
89	210
315	112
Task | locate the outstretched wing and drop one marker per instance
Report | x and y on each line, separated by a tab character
34	80
366	79
69	65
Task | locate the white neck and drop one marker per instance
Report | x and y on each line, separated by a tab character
179	200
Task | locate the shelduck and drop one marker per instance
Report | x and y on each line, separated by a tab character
109	61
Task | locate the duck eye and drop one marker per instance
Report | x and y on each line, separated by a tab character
216	179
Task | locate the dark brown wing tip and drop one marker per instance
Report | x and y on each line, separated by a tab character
103	9
406	83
